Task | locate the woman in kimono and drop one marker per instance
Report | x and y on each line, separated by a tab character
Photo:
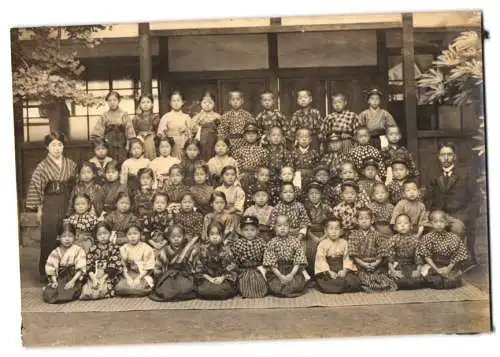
145	124
49	193
206	123
64	268
115	127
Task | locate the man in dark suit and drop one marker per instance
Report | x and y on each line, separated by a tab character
454	191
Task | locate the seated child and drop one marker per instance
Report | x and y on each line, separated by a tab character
100	158
404	264
175	264
321	175
189	218
215	268
103	266
202	190
138	260
120	219
368	176
262	211
235	195
260	179
143	197
347	210
412	206
156	224
279	156
112	186
248	252
162	164
220	160
367	249
219	214
175	189
65	268
381	209
347	172
333	268
83	220
285	261
133	164
363	150
86	185
445	253
304	157
400	174
394	150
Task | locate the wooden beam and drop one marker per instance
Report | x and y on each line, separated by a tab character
233	74
163	89
338	72
446	133
409	84
272	53
145	59
383	65
18	142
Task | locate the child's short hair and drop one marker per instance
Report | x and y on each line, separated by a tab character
274	127
339	95
287	167
82	195
435	213
320	168
410	182
267	91
330	219
227	168
100	224
88	164
402	215
202	165
192	141
377	185
170	230
133	141
187	194
175	167
258	169
366	210
160	194
361	128
236	92
283	216
224	139
122	195
347	184
260	189
98	142
145	171
218	194
307	91
285	184
161	138
112	165
303	129
176	92
66	227
392	127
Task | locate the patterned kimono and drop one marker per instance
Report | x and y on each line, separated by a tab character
369	245
145	125
128	175
50	187
359	153
202	194
94	191
263	214
158	243
116	128
104	263
402	249
216	164
111	190
414	209
84	224
232	126
336	192
225	219
176	283
178	126
136	259
100	164
333	255
248	255
215	261
235	197
251	188
395	151
143	203
250	158
317	214
161	166
382	213
309	118
268	119
191	221
396	190
333	160
305	161
347	213
366	186
275	192
296	213
175	192
119	223
64	264
377	121
156	223
206	125
443	248
283	253
278	157
344	122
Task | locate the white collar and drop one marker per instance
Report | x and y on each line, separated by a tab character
304	150
448	170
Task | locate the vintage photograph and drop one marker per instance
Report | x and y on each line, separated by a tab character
252	178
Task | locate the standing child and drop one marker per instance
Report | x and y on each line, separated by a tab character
269	117
120	219
189	218
412	206
103	266
248	252
376	119
261	210
445	253
65	268
404	264
285	261
86	185
112	187
176	124
175	189
206	123
395	150
215	268
347	210
342	122
190	156
400	174
162	164
219	214
115	127
307	118
381	209
83	220
235	195
368	176
363	151
233	122
201	189
304	157
143	197
138	260
367	249
132	165
145	123
220	160
156	223
333	268
176	282
100	159
279	156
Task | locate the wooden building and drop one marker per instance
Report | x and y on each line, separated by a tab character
325	54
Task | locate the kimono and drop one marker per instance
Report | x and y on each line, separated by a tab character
158	243
156	223
64	264
143	203
248	255
335	198
283	253
377	121
84	224
396	191
136	259
309	118
263	214
347	213
202	194
269	118
104	263
128	175
145	125
275	192
232	125
369	245
216	164
94	191
176	283
344	122
317	214
366	186
225	219
278	157
296	213
359	153
443	248
251	188
119	223
187	168
174	195
402	249
392	151
100	164
50	187
250	158
415	210
206	125
333	160
382	213
235	197
305	161
116	128
191	221
161	166
215	261
111	191
178	126
333	255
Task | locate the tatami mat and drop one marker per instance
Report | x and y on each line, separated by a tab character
32	301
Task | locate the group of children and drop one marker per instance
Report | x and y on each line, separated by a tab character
215	206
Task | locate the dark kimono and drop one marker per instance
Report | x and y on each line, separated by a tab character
382	213
360	153
284	254
143	203
176	283
226	220
119	223
84	224
215	261
94	191
268	119
191	221
175	192
156	223
369	246
187	167
100	178
202	194
250	158
309	118
333	160
402	249
317	214
278	157
207	122
232	125
392	152
305	161
145	126
102	260
344	122
248	255
111	191
396	191
296	213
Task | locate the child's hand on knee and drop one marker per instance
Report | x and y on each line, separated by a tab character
332	274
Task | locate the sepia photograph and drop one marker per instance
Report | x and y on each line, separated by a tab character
264	178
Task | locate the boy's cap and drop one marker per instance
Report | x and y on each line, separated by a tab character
320	168
350	183
334	137
399	160
369	162
374	91
315	185
251	128
249	220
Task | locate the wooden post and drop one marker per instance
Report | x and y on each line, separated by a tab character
145	60
163	90
272	52
409	85
383	66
